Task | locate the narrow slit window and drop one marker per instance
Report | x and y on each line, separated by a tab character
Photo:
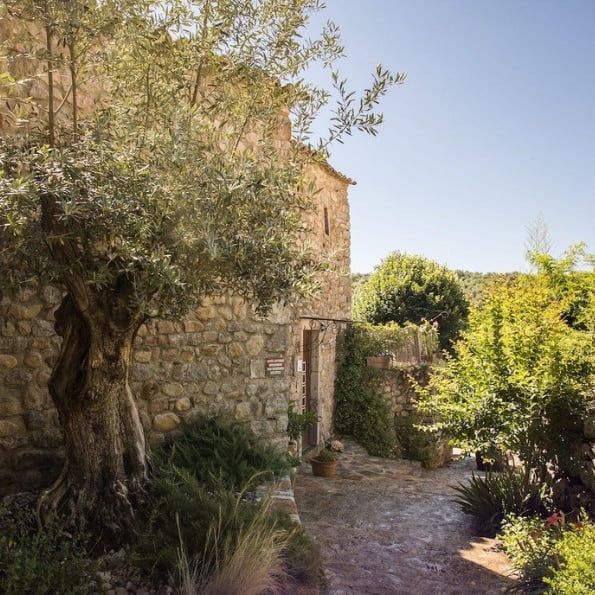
327	230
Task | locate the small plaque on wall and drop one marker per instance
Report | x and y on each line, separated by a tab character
274	366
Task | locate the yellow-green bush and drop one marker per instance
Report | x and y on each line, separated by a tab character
575	557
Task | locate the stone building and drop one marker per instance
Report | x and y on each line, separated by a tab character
220	359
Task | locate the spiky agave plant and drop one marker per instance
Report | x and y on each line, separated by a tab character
491	498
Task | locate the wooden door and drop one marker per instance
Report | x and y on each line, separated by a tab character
310	436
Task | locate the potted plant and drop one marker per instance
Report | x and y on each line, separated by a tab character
324	463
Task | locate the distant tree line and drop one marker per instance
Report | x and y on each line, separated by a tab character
474	284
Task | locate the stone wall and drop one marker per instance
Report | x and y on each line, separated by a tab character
213	362
397	385
398	390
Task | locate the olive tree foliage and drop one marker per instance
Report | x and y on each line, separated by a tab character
176	183
407	288
521	378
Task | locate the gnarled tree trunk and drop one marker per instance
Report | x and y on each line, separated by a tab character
106	456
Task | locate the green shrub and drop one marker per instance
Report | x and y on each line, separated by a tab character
552	554
201	522
574	572
298	423
178	495
530	547
43	562
418	443
492	498
184	512
221	454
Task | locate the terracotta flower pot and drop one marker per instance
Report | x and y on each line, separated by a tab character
323	468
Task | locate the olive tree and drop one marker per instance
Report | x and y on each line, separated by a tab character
177	183
407	288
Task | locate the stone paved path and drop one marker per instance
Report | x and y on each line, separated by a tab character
389	527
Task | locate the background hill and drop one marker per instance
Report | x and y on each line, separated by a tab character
475	284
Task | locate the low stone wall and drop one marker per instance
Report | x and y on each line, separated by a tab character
397	387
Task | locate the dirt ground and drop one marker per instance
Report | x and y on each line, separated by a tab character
389	527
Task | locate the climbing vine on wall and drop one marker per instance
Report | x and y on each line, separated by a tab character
360	410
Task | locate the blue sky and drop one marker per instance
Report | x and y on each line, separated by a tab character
493	128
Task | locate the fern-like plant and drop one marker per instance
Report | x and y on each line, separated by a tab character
221	454
201	527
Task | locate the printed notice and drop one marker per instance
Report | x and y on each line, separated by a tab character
274	366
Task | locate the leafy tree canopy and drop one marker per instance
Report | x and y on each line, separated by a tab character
406	288
178	181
